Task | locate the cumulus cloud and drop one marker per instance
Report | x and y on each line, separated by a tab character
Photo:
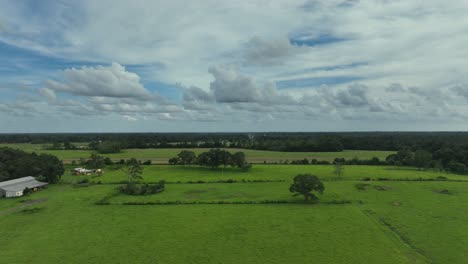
267	52
48	93
105	81
197	94
354	96
408	57
230	86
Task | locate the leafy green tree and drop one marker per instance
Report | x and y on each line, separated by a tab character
133	169
186	157
338	169
107	147
422	159
238	159
95	161
174	161
49	167
305	184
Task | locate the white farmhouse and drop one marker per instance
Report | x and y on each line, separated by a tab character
15	188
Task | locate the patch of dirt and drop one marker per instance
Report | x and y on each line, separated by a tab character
445	191
382	188
26	203
396	204
195	191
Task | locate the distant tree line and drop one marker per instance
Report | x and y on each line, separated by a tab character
453	159
213	158
16	164
429	141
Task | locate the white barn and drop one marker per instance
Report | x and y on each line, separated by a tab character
15	188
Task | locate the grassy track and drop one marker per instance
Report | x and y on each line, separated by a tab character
162	155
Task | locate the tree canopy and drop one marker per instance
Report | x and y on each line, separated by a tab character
16	164
305	184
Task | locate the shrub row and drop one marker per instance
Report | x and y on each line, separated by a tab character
438	178
230	202
144	189
201	182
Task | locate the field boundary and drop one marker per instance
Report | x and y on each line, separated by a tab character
386	226
105	201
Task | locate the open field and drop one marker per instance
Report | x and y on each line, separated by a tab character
69	228
259	172
386	222
161	156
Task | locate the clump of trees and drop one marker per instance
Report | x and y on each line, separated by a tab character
453	159
106	147
213	158
306	184
144	189
16	164
133	171
96	161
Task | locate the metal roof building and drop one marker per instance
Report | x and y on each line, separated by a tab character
15	188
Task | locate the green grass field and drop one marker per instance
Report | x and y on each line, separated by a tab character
168	173
388	222
161	156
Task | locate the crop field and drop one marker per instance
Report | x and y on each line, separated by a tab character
391	220
161	156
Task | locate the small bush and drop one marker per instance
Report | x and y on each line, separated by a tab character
361	186
382	188
145	189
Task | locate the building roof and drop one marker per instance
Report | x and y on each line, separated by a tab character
21	183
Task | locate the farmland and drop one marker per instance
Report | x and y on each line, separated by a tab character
161	156
401	216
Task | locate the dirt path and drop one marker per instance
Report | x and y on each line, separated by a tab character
25	204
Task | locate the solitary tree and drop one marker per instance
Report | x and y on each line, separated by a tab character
305	184
339	169
133	170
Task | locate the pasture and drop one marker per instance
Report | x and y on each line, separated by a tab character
400	215
161	156
261	172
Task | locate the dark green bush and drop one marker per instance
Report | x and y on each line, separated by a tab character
145	189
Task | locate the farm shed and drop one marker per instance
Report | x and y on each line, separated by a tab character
15	188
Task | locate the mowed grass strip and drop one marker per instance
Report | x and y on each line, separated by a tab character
260	172
163	155
70	229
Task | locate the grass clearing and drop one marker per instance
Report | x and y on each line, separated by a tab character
71	229
387	221
161	156
260	172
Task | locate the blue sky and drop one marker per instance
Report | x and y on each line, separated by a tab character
296	65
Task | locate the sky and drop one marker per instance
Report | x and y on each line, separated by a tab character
233	66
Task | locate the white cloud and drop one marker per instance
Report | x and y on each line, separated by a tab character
130	118
408	57
112	81
48	93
